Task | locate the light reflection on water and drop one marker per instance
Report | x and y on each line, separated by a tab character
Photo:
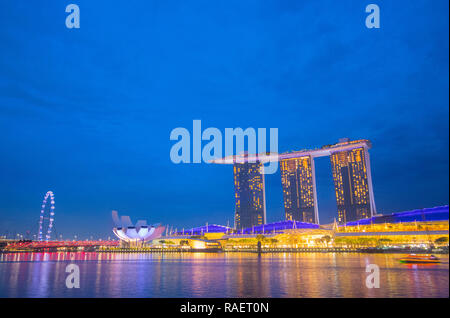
218	275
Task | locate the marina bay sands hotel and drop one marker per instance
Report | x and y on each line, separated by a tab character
350	164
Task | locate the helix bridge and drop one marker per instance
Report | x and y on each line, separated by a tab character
52	245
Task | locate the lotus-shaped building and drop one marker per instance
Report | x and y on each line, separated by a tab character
137	234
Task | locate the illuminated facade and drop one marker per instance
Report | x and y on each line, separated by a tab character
135	235
351	174
299	193
424	226
250	207
351	183
418	228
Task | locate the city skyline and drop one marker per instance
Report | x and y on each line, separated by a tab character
351	174
88	115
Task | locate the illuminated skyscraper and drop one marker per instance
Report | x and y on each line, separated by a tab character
350	163
299	193
249	195
353	184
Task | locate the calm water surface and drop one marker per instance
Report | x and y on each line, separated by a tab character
218	275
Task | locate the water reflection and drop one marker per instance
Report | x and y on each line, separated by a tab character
218	275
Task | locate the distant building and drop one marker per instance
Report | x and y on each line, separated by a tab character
250	207
298	180
351	173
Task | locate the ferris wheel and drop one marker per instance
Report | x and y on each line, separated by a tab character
47	216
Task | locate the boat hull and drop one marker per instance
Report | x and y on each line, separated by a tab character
409	261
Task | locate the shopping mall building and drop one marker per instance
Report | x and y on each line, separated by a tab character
421	227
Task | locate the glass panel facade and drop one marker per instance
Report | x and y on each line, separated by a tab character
351	185
249	195
298	189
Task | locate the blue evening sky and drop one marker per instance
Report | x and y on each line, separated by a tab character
87	112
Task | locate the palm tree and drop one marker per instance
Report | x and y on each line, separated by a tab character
441	240
327	239
260	238
384	241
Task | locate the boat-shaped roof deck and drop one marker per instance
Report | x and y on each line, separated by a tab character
324	151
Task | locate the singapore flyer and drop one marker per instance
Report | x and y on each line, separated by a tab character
46	219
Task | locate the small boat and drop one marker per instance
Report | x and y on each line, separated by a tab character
420	259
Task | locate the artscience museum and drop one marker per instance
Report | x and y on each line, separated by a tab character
137	234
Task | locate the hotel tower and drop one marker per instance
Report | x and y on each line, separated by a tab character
298	181
352	184
350	165
250	207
